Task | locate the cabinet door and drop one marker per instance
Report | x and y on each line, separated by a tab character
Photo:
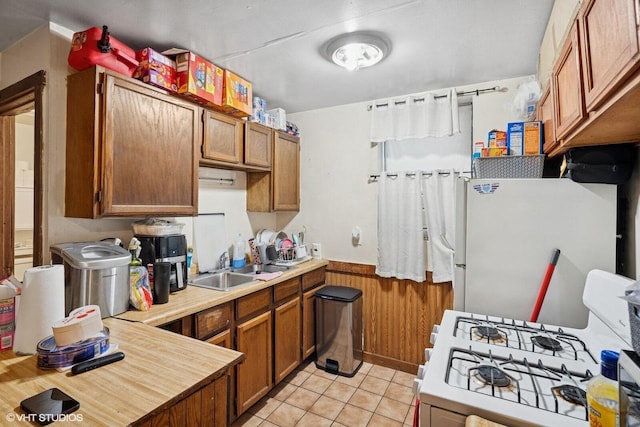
567	87
287	338
609	47
222	138
150	151
223	339
309	323
545	115
286	172
254	374
258	140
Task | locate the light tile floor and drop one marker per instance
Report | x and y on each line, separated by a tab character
375	396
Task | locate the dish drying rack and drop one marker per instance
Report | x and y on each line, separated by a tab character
292	256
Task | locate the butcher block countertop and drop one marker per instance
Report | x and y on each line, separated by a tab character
159	368
476	421
194	299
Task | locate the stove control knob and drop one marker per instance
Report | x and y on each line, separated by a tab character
427	354
416	387
421	370
433	338
436	328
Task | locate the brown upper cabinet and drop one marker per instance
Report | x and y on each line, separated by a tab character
231	143
132	150
567	87
545	114
596	78
222	138
610	47
258	142
278	190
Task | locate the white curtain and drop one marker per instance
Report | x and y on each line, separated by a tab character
409	203
439	201
416	116
400	224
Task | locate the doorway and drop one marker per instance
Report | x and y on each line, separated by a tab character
21	111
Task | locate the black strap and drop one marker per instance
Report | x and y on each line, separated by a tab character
601	168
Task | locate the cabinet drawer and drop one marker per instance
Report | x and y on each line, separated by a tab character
313	278
210	321
286	289
254	303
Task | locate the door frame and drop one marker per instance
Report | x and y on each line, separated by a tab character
18	98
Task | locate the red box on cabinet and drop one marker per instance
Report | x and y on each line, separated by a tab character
95	46
199	79
156	69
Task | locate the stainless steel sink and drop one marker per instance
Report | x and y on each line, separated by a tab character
257	269
222	281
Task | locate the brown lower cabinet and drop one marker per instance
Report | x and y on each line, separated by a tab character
287	338
309	323
254	374
273	327
205	407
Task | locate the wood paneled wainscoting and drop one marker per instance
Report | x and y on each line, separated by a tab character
397	315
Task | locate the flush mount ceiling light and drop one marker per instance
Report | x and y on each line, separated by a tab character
357	50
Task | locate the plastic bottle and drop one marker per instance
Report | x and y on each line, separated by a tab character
602	392
239	253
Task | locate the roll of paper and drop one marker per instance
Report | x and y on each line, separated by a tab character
81	324
41	305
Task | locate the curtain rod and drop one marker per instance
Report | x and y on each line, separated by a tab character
476	92
374	177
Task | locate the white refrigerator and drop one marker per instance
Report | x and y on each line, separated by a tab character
506	232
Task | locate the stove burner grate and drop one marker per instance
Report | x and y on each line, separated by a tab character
572	394
517	334
488	332
546	343
493	376
505	377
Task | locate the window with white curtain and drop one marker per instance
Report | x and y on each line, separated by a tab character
431	153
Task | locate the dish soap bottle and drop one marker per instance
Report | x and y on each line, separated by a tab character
238	253
602	392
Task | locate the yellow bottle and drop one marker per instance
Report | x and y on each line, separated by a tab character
602	393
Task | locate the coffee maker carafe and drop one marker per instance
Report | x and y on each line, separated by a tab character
171	248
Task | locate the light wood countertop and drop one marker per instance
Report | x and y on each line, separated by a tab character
194	299
159	368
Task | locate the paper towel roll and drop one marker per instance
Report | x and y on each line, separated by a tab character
41	305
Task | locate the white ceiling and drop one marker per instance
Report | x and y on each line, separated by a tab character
276	44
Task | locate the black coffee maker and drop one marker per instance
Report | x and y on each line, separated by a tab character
173	249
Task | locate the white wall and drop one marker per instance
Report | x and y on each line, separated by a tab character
337	159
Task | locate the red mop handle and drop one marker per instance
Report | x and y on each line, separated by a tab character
545	285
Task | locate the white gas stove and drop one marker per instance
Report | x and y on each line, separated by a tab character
516	372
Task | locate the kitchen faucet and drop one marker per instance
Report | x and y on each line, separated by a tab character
224	258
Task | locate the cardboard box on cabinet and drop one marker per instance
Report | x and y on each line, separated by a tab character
238	96
199	79
156	69
279	118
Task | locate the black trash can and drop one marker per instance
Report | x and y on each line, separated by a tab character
339	330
